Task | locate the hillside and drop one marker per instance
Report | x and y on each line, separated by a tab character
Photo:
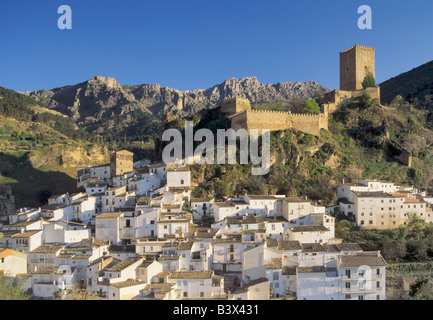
416	83
102	105
357	146
40	151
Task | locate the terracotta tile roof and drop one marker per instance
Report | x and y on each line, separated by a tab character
26	234
271	242
289	245
168	258
123	264
109	215
161	274
276	263
191	274
314	269
289	270
48	248
246	287
159	287
311	228
360	259
262	197
10	252
186	245
127	283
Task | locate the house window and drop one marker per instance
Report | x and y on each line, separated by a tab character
201	294
185	294
361	297
348	296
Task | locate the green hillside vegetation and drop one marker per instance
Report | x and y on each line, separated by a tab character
357	146
414	84
32	143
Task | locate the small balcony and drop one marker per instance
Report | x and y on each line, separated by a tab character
364	289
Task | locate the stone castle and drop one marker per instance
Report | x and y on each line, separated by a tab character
246	118
355	63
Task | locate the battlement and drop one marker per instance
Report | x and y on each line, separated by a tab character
279	120
359	47
235	105
267	111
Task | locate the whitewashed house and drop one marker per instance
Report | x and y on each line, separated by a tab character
65	232
12	262
49	281
192	284
107	226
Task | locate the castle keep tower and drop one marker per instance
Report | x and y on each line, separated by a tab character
121	162
355	63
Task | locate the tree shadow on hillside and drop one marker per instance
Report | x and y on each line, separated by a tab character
32	187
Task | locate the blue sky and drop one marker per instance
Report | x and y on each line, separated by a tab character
194	44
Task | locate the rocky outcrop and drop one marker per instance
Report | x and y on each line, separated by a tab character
72	156
102	97
90	101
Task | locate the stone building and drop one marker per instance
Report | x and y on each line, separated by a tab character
7	203
121	162
243	117
355	63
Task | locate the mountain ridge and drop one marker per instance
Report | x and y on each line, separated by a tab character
109	95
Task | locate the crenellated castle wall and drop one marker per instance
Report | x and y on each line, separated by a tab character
277	120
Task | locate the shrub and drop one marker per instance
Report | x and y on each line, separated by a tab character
310	106
368	81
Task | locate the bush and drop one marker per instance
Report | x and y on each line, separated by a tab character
368	81
310	106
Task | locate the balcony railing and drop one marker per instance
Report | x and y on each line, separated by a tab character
366	288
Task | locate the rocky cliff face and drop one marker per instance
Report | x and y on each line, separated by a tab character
90	101
159	99
73	156
103	97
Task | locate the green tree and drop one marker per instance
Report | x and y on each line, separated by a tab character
396	99
368	81
415	225
310	106
221	189
11	289
198	192
366	101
